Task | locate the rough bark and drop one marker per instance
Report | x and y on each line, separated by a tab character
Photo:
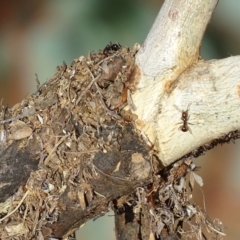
84	144
104	133
16	165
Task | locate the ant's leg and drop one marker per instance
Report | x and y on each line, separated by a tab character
177	108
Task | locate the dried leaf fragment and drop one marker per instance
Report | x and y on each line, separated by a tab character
19	130
13	229
198	179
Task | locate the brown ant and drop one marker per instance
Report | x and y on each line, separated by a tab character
185	117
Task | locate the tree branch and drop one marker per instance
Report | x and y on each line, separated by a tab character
93	148
174	40
168	67
212	89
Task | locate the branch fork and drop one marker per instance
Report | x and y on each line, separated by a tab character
169	67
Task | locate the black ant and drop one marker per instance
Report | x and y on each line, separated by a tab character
111	47
185	117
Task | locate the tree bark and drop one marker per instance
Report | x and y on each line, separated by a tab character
170	68
106	131
85	145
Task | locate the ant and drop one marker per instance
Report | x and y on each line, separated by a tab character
111	47
185	117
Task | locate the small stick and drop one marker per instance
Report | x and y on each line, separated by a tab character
46	161
37	81
14	210
88	87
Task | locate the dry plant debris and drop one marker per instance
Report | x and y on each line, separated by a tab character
70	119
172	210
79	134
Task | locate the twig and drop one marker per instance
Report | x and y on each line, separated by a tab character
111	113
110	57
46	161
9	214
124	179
215	230
12	119
88	87
37	81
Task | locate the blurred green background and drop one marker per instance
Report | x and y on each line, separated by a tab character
36	36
